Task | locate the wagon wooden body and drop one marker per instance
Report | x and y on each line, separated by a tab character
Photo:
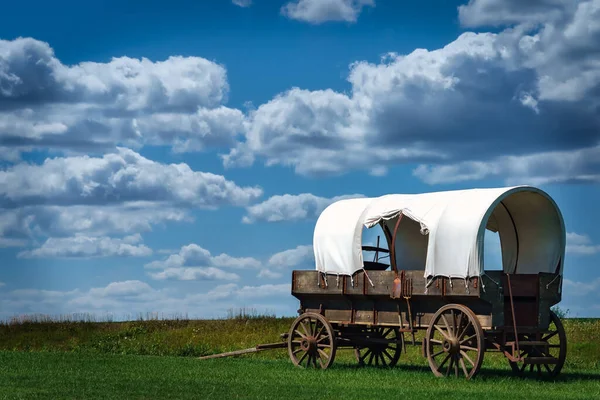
465	310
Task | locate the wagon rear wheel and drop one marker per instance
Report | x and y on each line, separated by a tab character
546	352
455	342
311	341
383	348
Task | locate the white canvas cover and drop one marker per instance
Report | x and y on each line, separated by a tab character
442	233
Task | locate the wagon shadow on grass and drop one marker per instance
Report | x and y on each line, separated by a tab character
485	373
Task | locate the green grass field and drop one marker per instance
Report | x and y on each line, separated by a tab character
157	359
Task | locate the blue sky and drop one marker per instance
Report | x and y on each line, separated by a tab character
173	157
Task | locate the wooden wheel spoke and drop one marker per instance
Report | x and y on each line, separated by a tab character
393	346
523	367
450	365
467	339
556	331
440	330
315	331
325	355
362	358
388	354
443	362
302	358
437	354
465	356
459	323
319	334
464	367
383	360
551	334
320	331
456	366
326	337
303	326
300	334
464	331
464	334
446	323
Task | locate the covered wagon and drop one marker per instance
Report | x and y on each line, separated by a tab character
435	281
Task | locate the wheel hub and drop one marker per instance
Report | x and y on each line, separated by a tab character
451	345
308	344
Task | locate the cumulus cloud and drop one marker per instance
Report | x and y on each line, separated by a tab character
124	288
581	244
194	274
242	3
193	262
299	257
576	166
126	299
320	11
193	255
92	106
89	247
575	288
508	12
448	106
123	176
119	193
292	257
289	207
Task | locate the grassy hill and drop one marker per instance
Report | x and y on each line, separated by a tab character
193	338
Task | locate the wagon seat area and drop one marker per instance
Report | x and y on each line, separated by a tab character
531	232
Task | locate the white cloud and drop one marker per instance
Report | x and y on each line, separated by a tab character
117	194
292	257
290	207
123	176
506	12
9	242
264	290
128	299
581	244
124	288
89	247
269	274
319	11
447	107
193	255
242	3
193	274
579	166
574	288
127	101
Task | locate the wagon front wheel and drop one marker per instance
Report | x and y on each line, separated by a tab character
543	354
311	341
454	342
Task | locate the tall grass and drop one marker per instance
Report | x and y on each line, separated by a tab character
177	335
